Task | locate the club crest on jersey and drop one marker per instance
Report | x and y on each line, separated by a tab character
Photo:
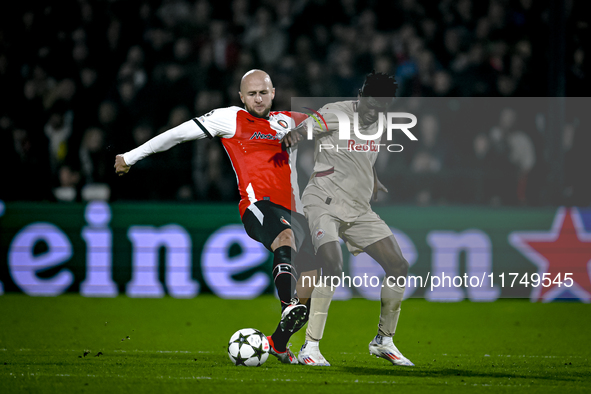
319	234
282	123
282	220
262	136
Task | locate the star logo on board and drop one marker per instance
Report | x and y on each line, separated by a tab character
564	249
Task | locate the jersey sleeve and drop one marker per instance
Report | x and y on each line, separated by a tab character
323	121
298	117
186	131
219	123
292	119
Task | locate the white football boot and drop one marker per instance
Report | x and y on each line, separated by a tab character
293	316
286	357
310	355
384	347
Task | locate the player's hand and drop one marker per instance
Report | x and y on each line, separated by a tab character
378	186
291	139
121	168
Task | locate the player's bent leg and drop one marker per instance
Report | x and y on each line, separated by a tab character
305	285
294	314
285	238
382	345
293	318
304	290
284	275
331	256
308	266
391	297
388	254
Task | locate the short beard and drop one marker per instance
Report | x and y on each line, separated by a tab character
266	115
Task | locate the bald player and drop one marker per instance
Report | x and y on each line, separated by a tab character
337	205
269	196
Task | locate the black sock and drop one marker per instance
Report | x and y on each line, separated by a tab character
280	338
284	274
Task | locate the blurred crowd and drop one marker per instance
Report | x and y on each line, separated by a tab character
83	80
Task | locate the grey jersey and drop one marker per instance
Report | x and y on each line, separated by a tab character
343	176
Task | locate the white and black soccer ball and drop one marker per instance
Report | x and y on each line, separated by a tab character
248	347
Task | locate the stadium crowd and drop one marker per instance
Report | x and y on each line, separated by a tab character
82	80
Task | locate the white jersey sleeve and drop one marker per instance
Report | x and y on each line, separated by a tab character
327	122
219	123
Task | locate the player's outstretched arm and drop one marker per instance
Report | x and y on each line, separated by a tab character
186	131
121	167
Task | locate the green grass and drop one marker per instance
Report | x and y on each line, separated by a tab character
180	346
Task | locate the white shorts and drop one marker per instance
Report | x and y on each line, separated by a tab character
367	229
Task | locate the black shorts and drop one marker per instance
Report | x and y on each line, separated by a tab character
264	221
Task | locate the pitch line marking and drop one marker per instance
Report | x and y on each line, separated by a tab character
115	351
212	352
252	380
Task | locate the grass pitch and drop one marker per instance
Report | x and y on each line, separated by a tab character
74	344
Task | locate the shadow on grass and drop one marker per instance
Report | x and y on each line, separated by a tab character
415	372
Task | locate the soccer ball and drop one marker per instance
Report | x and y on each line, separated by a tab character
248	347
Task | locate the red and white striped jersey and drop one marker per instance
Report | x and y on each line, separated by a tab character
264	170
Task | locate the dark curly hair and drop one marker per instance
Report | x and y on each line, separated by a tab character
379	85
